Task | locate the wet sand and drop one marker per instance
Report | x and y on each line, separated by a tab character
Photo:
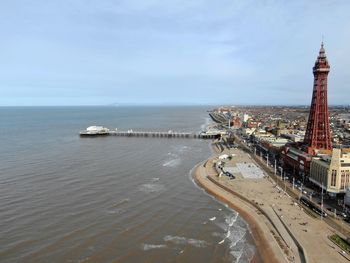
282	231
265	252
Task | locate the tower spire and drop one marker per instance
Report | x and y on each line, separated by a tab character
322	53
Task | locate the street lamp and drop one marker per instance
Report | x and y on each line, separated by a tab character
281	171
322	201
267	160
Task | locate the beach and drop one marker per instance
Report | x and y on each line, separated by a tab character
282	231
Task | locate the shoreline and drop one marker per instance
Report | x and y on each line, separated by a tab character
271	245
264	252
280	228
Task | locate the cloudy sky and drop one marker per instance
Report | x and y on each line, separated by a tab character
86	52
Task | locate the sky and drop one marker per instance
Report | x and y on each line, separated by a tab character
186	52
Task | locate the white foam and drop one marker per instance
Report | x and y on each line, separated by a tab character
197	243
231	220
175	239
249	251
172	163
115	211
237	254
238	237
234	235
146	247
151	188
185	241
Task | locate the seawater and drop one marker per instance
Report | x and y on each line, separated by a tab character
110	199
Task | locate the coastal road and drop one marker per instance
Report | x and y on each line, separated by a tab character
334	223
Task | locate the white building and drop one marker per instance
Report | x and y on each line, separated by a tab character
332	172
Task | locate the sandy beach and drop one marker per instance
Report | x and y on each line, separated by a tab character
282	231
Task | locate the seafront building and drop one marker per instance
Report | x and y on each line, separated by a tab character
331	172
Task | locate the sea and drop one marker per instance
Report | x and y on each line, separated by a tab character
64	198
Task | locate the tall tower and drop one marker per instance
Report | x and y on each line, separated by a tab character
318	134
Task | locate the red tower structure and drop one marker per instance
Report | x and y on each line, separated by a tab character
318	134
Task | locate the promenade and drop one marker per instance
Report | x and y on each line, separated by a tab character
283	232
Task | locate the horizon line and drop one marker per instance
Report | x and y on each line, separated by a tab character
173	104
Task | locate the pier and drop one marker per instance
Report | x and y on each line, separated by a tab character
159	134
153	134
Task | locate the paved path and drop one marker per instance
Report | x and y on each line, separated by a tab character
290	222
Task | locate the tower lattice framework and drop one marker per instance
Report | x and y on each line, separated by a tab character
318	134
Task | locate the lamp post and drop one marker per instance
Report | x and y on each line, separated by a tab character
322	202
281	171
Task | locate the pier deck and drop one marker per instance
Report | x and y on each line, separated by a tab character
156	134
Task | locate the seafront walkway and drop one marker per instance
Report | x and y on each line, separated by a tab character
335	223
268	248
286	231
279	238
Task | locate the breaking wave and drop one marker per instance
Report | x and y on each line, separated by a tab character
234	236
173	160
146	247
172	163
185	241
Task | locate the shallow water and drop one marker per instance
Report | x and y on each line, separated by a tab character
109	199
